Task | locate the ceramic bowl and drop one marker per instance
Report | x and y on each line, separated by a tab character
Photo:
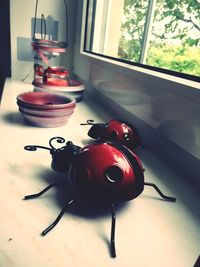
45	100
46	113
45	109
47	122
75	90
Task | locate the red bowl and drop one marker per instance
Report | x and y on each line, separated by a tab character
44	100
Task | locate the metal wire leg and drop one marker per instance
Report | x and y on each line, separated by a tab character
42	192
172	199
112	241
58	218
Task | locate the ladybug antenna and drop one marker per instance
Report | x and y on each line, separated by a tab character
35	147
59	140
89	122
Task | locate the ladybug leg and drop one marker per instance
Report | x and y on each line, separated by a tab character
172	199
42	192
58	218
112	241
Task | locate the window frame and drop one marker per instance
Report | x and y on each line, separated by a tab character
159	72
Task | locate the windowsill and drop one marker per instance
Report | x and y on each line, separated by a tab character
149	232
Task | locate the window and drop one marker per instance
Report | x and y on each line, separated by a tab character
162	35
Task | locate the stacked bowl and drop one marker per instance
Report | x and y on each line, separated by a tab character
56	80
46	109
75	89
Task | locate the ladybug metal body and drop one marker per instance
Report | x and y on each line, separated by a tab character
117	131
105	169
100	170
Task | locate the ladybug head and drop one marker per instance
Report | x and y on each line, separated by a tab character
62	157
97	129
107	170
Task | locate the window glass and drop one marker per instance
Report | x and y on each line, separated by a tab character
157	34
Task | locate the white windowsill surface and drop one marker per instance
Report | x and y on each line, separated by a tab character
149	232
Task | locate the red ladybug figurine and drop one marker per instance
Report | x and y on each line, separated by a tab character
117	131
101	170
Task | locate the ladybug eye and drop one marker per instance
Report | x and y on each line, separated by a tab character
126	136
114	174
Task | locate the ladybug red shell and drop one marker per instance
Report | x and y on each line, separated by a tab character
117	131
108	170
124	133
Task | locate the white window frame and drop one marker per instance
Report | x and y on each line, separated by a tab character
123	67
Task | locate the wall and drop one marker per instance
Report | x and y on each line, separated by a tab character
166	111
22	14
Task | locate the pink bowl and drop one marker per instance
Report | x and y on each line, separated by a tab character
74	85
46	109
75	90
44	100
47	113
46	122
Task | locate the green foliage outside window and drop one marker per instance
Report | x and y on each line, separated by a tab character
175	34
184	59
